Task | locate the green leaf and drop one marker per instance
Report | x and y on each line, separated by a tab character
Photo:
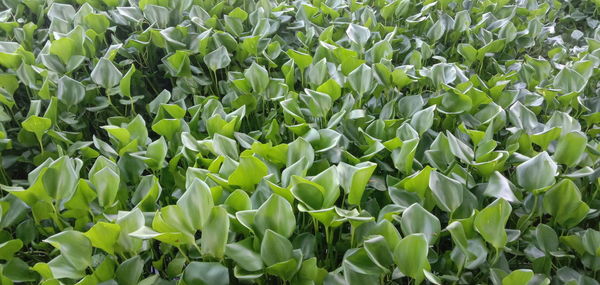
104	236
147	193
463	21
74	247
217	125
563	202
167	127
300	149
358	266
401	80
106	182
569	80
276	214
358	34
206	273
225	146
546	238
125	82
239	13
97	22
215	232
9	248
518	277
130	271
301	59
308	192
17	270
570	148
590	240
447	192
436	31
537	172
403	157
258	77
156	153
218	59
249	172
500	187
129	222
379	251
318	103
411	256
178	63
63	48
331	88
238	200
317	72
354	179
468	52
329	181
490	222
106	74
60	179
361	79
423	120
244	256
70	91
442	73
275	248
415	219
37	125
197	203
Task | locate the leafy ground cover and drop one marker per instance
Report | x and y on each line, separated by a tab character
305	142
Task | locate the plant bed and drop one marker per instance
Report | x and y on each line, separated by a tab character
299	142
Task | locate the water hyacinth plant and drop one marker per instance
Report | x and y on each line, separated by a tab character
299	142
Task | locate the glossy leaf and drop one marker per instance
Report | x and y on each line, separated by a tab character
490	222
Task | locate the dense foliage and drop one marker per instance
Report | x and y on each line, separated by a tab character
299	142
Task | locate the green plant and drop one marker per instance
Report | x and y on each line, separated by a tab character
299	142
